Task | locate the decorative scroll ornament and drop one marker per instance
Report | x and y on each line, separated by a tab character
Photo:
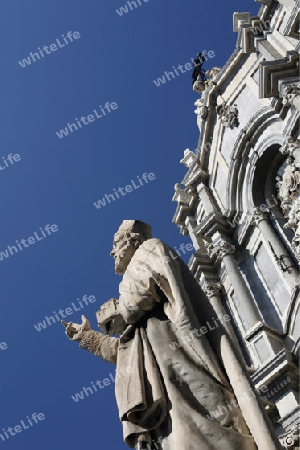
228	115
291	439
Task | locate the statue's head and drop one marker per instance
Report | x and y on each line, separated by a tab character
130	235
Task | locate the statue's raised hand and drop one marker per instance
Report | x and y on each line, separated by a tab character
74	330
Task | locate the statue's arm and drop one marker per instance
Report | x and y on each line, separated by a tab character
99	344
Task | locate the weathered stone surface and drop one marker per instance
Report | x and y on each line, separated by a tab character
185	381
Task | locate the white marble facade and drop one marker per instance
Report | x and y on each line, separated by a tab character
240	202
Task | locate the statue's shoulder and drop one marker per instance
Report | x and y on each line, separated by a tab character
151	248
152	243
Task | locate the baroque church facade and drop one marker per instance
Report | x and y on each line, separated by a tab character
240	202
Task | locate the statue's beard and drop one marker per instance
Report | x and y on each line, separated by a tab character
120	265
123	259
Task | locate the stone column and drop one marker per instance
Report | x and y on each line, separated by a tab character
286	265
224	251
213	291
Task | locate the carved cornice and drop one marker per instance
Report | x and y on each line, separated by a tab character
239	19
212	223
195	173
271	73
185	199
203	261
292	24
279	367
252	30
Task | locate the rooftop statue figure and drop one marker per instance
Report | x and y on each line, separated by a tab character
198	73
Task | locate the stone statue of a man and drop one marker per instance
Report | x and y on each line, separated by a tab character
185	384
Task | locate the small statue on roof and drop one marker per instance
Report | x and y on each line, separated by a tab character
198	72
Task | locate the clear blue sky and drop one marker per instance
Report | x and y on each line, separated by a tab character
56	181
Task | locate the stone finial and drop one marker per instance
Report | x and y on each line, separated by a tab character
228	115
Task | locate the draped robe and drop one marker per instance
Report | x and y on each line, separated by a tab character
180	392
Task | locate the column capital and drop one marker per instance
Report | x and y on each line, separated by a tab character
258	215
212	289
290	439
221	248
